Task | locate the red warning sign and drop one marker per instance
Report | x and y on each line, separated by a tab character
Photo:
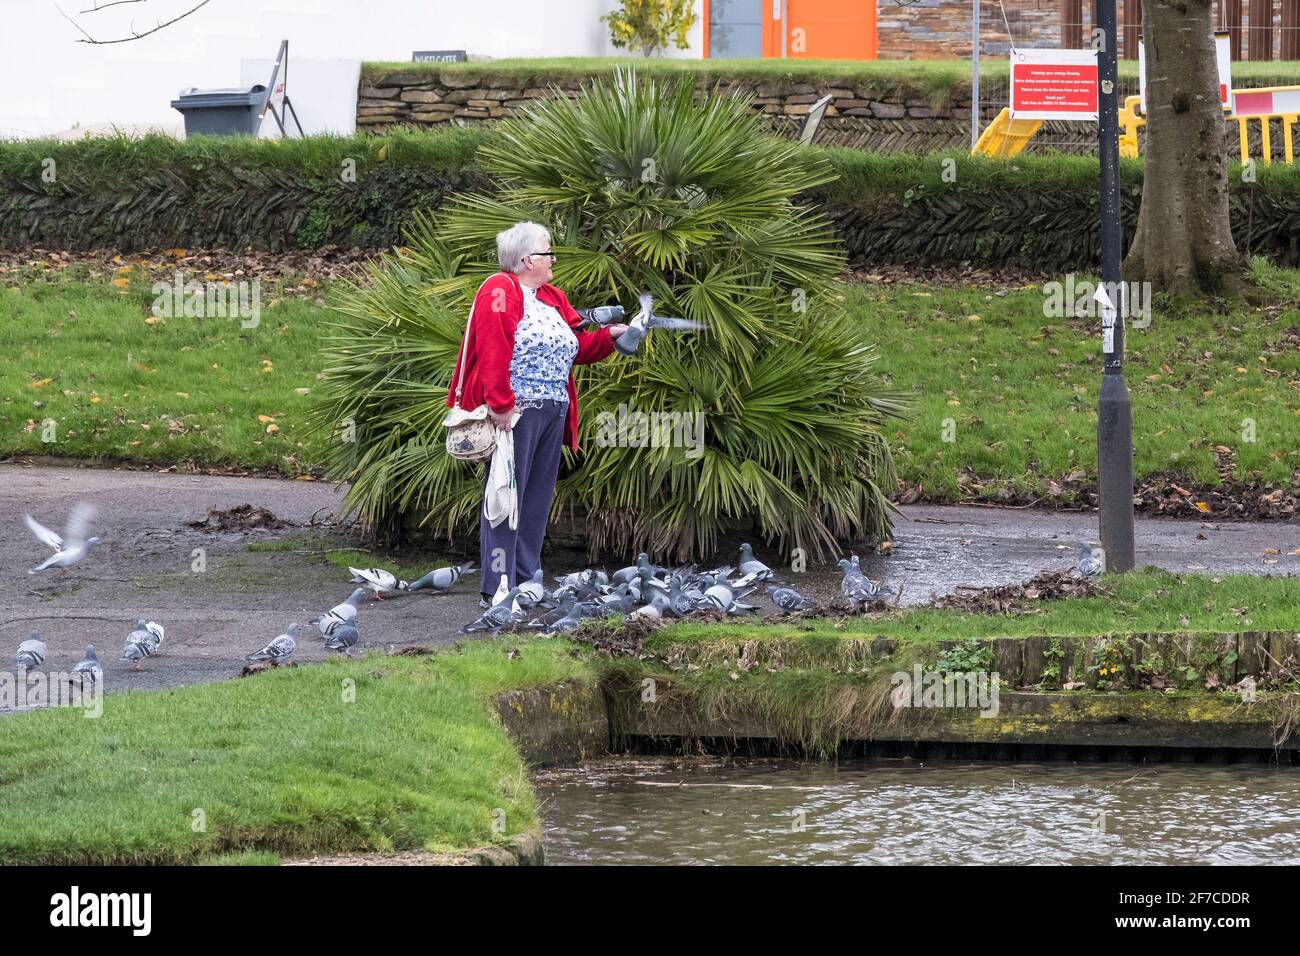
1054	84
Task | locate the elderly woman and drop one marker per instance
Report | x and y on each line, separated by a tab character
519	357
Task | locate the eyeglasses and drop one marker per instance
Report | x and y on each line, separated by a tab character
553	256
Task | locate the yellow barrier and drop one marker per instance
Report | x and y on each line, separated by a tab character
1006	137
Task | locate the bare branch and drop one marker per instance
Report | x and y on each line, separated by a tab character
116	3
162	25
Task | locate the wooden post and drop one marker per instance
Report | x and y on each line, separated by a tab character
1259	45
1230	20
1133	28
1290	46
1072	24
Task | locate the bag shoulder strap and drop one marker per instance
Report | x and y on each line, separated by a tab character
464	344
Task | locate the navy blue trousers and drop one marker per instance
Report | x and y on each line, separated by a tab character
517	553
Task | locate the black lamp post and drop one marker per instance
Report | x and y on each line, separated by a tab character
1114	411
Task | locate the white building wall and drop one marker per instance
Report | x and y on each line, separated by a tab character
51	84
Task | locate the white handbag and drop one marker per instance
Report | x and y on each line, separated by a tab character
471	436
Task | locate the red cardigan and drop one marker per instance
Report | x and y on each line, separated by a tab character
498	308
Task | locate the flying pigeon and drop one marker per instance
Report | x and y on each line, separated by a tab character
339	614
342	638
1090	565
89	667
142	642
442	578
644	320
378	580
279	649
73	545
788	600
31	652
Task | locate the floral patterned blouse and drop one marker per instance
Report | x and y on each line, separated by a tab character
545	347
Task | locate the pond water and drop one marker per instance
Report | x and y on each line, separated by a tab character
754	811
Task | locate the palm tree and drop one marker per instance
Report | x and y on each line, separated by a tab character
643	188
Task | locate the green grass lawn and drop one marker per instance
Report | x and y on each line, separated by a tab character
117	386
1004	393
279	763
1004	397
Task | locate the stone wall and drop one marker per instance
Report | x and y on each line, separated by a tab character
876	117
941	29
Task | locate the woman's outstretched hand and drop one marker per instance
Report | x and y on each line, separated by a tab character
616	330
502	419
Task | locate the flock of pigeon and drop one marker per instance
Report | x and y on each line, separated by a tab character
642	591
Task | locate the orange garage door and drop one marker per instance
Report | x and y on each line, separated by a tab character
821	29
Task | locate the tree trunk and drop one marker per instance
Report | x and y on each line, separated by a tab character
1183	242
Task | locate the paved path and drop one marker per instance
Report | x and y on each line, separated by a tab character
243	598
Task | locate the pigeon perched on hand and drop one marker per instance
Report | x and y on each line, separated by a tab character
279	649
32	652
73	545
339	614
377	580
440	579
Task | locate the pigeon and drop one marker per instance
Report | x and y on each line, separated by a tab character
569	621
440	579
31	652
279	649
339	614
856	587
495	617
679	603
142	642
378	580
600	316
644	320
342	638
89	667
788	600
751	567
73	545
1089	562
654	610
502	591
532	592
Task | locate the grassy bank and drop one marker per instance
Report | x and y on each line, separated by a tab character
282	763
394	753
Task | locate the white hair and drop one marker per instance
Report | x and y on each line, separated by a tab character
521	239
